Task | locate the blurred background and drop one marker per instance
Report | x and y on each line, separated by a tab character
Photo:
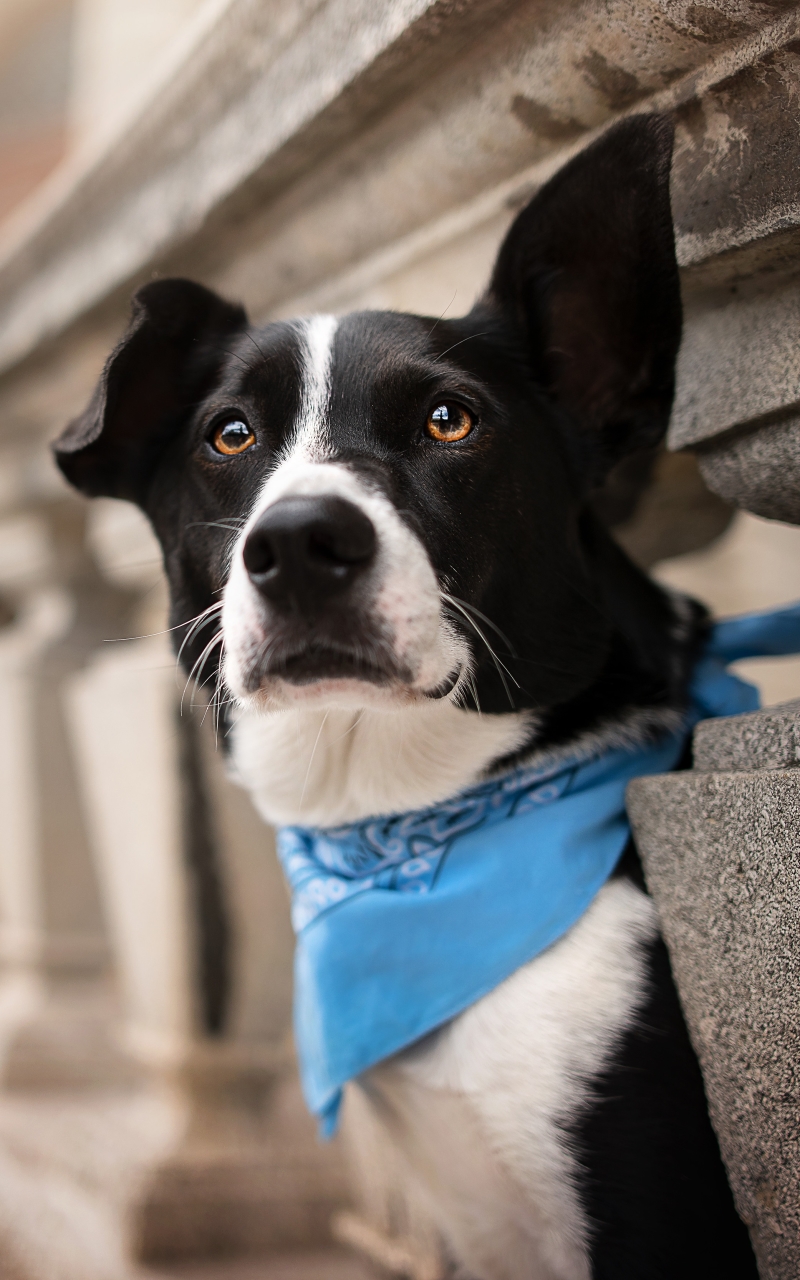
298	155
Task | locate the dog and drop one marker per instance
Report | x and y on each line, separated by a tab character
387	523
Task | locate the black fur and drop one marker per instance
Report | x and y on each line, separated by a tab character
655	1189
567	364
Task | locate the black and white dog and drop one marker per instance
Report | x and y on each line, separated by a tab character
387	520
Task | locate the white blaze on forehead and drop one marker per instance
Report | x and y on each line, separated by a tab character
403	589
316	336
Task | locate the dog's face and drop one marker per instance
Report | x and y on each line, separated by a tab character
386	509
398	484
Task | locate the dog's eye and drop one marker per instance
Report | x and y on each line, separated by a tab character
449	422
233	436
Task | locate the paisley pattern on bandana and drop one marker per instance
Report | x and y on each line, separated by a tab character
403	853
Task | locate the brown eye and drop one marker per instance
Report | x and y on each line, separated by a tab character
232	437
449	422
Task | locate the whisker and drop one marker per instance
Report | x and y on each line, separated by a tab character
218	524
241	359
210	702
468	338
485	641
311	760
195	675
249	335
221	702
197	624
149	635
482	616
501	667
473	688
351	727
444	313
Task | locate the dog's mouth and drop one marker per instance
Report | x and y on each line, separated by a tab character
319	661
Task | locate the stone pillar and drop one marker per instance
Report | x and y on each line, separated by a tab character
720	851
199	927
55	994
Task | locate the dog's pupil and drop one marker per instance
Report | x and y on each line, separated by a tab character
235	433
449	422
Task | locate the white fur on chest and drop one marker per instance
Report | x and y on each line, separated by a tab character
322	768
470	1125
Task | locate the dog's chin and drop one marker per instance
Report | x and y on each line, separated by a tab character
329	694
320	679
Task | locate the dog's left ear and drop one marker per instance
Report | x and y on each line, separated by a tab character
165	363
588	271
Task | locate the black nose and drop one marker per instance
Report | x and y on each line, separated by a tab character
304	550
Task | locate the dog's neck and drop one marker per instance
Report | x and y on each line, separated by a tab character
326	768
323	768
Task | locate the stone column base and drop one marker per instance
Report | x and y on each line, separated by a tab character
94	1184
275	1188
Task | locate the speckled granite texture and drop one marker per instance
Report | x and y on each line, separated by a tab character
722	857
768	739
758	469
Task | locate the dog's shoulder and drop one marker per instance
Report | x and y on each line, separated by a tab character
518	1069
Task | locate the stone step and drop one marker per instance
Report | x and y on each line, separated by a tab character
329	1264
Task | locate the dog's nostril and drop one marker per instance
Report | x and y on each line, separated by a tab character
258	554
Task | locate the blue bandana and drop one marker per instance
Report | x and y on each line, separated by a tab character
403	922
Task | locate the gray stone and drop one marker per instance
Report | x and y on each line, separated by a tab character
739	359
720	856
768	739
758	470
296	140
735	189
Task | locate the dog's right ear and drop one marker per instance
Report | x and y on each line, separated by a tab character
164	364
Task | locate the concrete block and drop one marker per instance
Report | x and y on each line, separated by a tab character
720	856
279	146
758	469
736	187
739	359
767	739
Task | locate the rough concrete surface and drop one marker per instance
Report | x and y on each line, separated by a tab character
738	364
283	148
721	857
758	470
767	739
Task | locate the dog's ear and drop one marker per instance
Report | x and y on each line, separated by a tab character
588	271
164	364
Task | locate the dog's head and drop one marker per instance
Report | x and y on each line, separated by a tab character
388	508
